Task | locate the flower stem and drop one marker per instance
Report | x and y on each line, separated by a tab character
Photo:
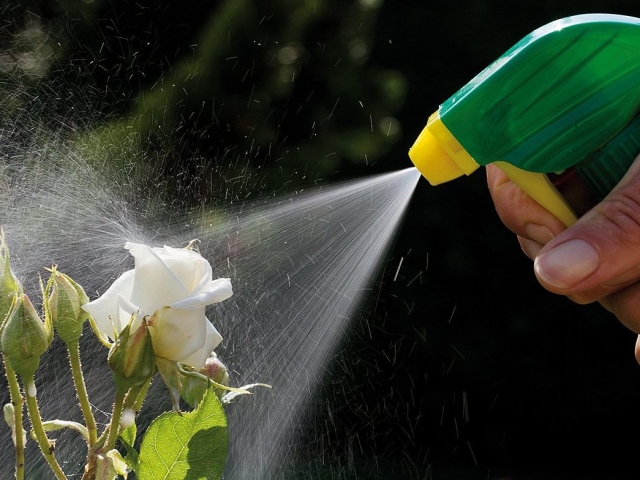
17	401
38	429
110	433
136	396
81	389
116	415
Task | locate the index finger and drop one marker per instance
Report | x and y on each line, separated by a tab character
518	211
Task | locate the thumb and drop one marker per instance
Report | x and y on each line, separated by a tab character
600	254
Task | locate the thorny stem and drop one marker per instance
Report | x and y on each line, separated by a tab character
81	389
128	399
116	415
17	401
132	398
45	445
111	433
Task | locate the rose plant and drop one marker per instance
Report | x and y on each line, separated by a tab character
171	287
152	319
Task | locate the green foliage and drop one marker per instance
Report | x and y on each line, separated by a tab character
128	439
186	446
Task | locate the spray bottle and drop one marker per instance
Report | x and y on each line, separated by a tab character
563	99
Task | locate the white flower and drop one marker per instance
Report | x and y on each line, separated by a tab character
171	287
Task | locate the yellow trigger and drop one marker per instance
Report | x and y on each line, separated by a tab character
539	187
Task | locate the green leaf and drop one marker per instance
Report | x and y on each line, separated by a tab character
128	439
233	393
191	446
128	435
53	425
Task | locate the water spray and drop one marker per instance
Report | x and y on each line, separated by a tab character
561	103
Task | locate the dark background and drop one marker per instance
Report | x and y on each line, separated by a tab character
472	370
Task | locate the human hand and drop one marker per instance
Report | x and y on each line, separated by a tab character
597	259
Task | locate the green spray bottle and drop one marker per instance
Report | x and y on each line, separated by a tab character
564	98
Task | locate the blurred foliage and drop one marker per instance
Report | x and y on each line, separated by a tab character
242	89
461	365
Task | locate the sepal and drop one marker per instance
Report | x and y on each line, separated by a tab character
131	356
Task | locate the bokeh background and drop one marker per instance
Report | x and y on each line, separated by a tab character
462	366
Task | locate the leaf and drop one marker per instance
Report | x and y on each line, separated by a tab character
191	446
128	439
232	394
53	425
128	435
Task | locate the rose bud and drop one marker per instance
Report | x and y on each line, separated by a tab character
216	370
193	388
8	282
131	357
25	337
64	305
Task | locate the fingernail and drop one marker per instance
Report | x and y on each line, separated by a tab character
539	233
567	264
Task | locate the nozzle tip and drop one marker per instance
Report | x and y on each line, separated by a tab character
432	160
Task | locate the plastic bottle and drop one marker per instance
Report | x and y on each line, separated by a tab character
565	97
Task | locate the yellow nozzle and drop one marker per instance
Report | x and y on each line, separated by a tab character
438	155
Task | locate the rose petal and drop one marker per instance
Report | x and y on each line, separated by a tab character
126	310
199	357
176	334
215	291
104	310
155	285
189	266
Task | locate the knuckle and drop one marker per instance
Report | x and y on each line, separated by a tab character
512	206
622	212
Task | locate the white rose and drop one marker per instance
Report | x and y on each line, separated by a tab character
171	287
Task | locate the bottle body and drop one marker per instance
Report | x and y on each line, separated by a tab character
559	94
551	102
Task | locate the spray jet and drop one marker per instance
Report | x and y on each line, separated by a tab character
562	101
